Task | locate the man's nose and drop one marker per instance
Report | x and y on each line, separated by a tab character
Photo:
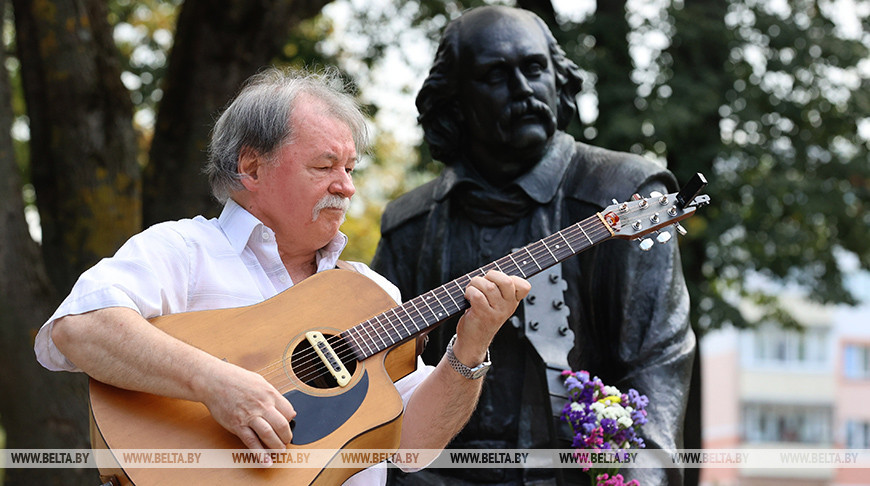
342	185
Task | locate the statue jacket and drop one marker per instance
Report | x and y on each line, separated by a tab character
628	308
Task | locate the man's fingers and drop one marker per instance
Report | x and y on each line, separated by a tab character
281	425
522	287
267	434
495	285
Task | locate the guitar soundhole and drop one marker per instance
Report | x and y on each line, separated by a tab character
311	370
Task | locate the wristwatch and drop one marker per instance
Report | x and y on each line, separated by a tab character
471	373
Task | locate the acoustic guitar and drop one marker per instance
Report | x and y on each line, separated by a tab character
336	363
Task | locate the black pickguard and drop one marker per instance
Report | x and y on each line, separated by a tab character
319	416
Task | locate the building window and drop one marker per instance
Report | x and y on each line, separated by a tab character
774	346
857	435
856	361
786	423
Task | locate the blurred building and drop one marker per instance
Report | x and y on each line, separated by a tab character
775	388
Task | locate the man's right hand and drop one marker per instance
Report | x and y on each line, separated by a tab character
244	403
117	346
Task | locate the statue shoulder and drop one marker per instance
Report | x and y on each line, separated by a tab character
599	175
408	206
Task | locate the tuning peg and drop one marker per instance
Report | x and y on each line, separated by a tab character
646	244
682	231
663	237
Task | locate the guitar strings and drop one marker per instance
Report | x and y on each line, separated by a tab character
308	360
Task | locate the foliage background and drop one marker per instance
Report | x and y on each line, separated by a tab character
105	106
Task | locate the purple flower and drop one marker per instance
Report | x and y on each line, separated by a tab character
638	401
599	420
638	417
610	426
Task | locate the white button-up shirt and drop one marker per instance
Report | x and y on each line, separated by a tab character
200	264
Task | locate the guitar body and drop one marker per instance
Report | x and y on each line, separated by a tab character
266	338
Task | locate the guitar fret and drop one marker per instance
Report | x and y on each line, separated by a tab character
434	316
566	242
516	265
451	297
431	294
378	333
363	327
425	321
551	252
584	233
398	336
533	258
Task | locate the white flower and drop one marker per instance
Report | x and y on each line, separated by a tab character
625	422
576	407
612	391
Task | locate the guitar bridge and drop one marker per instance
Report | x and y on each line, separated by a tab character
328	357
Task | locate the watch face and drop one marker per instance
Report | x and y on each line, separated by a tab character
479	372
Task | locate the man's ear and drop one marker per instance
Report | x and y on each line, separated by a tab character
249	167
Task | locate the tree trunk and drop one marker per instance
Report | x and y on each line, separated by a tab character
39	409
83	148
218	44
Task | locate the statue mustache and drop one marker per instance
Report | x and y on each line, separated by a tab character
330	201
530	106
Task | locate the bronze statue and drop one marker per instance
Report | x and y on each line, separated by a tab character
493	109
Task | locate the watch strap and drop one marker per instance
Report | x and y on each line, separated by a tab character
471	373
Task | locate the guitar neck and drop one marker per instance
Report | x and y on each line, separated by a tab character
427	310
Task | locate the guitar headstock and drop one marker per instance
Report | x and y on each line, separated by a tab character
641	216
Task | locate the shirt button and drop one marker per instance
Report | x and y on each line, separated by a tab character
266	236
283	278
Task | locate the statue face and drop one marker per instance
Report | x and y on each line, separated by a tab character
507	88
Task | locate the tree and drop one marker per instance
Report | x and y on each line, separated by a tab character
217	46
85	170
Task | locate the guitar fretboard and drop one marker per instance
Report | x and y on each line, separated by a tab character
424	311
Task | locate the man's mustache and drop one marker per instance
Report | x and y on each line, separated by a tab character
330	201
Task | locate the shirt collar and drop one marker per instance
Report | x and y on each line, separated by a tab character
238	225
540	183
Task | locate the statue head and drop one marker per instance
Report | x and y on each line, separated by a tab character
499	88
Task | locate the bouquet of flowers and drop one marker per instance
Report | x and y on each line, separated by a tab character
603	419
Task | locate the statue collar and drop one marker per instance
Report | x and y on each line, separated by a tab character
539	184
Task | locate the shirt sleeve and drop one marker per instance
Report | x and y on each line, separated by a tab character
149	274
